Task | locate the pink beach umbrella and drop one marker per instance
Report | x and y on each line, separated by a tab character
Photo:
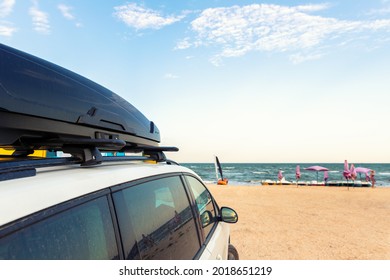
298	172
346	172
326	176
280	175
353	172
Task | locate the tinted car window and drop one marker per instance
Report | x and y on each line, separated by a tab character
204	202
156	221
83	232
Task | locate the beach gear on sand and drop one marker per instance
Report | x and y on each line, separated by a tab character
218	170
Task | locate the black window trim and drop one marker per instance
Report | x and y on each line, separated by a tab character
205	240
114	219
139	181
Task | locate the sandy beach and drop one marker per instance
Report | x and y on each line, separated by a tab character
308	222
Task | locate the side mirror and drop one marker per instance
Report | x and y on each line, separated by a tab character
228	215
206	218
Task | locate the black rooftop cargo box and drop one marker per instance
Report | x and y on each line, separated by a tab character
40	101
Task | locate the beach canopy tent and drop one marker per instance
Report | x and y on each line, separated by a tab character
363	170
317	168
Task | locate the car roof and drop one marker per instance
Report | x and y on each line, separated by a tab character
51	186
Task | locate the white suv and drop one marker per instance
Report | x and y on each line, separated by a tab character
92	205
122	210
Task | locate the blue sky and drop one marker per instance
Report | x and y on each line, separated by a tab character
249	81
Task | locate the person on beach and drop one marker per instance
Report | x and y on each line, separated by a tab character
368	179
372	178
297	174
326	177
280	176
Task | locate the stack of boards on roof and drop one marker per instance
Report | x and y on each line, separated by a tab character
44	106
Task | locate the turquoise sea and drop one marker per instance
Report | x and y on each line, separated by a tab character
254	173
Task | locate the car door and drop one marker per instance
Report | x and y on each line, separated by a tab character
156	220
215	233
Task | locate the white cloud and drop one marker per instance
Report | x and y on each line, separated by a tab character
381	12
313	8
299	57
40	19
6	7
142	18
183	44
238	30
170	76
66	11
384	10
6	30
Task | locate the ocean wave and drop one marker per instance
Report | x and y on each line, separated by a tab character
233	173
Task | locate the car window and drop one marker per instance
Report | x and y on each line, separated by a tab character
83	232
203	201
156	220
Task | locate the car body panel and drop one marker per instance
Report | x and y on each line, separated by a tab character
217	246
60	184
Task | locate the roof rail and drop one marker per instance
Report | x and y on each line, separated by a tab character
12	167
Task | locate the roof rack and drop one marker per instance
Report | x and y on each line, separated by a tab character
85	154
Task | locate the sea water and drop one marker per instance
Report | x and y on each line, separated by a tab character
254	173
